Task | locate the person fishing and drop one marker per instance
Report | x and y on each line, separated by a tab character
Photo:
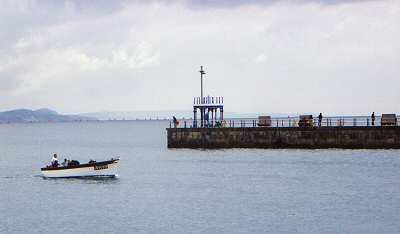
54	161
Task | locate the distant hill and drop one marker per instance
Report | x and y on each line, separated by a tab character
40	115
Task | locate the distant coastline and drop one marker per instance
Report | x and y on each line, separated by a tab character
39	116
46	115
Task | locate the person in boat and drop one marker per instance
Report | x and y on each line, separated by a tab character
54	161
74	163
65	163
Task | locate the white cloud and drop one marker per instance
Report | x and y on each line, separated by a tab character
261	58
281	57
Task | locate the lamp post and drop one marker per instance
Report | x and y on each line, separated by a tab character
202	72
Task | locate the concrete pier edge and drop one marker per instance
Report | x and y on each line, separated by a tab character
354	137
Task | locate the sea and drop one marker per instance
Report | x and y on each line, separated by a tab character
161	190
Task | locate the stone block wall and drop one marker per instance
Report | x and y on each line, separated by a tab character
291	137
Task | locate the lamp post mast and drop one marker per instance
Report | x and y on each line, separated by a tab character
202	72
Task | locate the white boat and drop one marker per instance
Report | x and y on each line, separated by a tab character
91	169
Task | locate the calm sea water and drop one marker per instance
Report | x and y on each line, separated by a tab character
191	191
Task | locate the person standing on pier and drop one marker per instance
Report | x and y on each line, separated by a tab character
319	119
373	119
176	122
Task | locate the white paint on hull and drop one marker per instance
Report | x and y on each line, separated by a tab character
82	172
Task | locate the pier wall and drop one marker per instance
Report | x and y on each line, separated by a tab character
387	137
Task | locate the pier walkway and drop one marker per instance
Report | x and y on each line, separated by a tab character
282	122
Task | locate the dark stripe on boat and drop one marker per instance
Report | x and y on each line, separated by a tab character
80	165
84	177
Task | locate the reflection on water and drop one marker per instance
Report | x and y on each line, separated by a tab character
85	180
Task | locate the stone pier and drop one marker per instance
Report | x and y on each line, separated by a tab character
354	137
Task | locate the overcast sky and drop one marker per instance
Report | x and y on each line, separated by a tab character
335	57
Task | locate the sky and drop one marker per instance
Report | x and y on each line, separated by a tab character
304	56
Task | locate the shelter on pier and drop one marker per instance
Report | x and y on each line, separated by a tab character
211	108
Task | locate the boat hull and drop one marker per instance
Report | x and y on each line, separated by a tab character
101	169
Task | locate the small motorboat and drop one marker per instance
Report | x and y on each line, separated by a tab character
76	170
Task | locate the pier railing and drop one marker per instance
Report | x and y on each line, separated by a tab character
334	121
